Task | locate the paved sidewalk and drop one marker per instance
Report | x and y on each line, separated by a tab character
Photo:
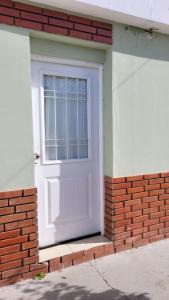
141	273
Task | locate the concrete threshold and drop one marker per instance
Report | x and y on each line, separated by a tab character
72	247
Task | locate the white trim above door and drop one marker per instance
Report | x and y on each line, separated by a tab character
58	175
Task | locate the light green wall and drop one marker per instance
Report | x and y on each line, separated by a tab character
16	147
16	144
46	47
136	101
140	102
108	113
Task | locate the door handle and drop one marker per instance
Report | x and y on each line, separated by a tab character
36	156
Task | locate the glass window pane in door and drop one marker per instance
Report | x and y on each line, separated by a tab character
66	123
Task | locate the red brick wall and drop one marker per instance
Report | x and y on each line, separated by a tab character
37	18
136	210
136	213
18	236
19	247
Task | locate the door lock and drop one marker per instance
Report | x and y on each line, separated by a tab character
36	156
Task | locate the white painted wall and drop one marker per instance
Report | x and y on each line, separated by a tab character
141	13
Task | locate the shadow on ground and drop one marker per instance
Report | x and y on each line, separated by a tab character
46	291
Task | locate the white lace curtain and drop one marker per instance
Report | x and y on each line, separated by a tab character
66	129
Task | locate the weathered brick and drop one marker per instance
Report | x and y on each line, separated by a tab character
14	256
34	273
157	238
152	176
157	192
10	194
22	200
55	14
157	215
15	272
165	174
55	30
118	180
7	20
121	198
10	280
141	242
10	265
139	231
10	249
152	187
18	224
85	28
139	183
133	239
156	181
38	266
150	199
28	24
80	34
80	20
26	207
29	245
12	218
133	202
7	3
102	39
9	234
30	260
139	195
27	7
140	219
123	223
123	235
150	234
102	25
29	192
135	178
13	241
60	23
104	32
123	247
150	210
9	11
6	211
3	203
29	229
133	214
34	17
124	185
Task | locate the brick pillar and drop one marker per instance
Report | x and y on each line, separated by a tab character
19	247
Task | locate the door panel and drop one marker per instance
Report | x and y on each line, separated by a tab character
66	135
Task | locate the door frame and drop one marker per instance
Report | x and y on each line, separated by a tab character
99	67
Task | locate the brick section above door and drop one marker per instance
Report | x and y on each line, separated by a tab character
19	251
51	21
136	210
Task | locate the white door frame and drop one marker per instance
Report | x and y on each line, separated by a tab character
99	67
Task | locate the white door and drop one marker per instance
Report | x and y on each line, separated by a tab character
66	143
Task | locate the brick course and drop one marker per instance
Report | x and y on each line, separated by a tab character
18	248
136	210
133	217
51	21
